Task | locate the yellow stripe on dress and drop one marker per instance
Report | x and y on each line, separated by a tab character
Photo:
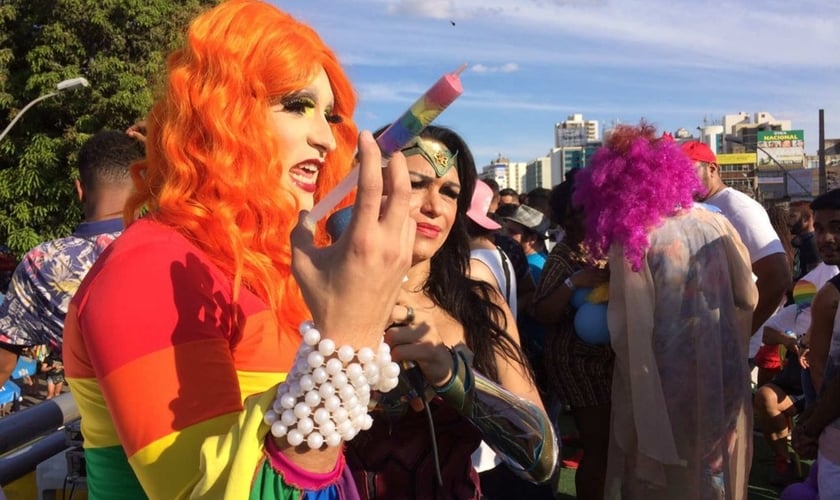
97	427
170	466
256	382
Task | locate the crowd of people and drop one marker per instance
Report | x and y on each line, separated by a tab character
429	347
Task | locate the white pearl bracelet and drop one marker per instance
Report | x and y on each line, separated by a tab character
325	397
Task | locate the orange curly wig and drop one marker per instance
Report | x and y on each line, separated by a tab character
212	158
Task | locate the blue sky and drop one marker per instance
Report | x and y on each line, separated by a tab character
534	62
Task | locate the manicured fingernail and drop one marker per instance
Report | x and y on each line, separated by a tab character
308	223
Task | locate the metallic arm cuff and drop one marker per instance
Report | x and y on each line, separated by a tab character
519	431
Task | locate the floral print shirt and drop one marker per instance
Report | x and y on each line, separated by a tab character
43	283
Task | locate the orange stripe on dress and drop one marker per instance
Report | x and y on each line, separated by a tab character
171	389
262	348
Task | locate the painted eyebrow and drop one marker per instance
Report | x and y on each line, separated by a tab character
427	178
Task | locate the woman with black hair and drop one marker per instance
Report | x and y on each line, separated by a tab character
580	372
475	380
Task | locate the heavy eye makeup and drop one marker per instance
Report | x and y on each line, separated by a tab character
304	104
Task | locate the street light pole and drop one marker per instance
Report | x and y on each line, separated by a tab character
737	140
70	84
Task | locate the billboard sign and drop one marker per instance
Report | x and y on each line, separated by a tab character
786	147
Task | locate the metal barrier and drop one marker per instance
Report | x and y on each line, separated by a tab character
32	435
21	462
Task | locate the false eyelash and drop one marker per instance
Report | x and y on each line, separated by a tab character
297	104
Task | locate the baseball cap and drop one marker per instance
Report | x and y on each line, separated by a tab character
698	151
480	205
531	218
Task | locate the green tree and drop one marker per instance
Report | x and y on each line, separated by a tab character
119	46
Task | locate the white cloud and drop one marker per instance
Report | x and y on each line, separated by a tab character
649	32
387	92
672	62
504	68
440	9
435	9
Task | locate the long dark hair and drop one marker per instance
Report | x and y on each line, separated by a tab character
468	301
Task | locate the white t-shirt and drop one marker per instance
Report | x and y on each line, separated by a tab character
793	317
751	221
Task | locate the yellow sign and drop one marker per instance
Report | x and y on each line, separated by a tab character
736	159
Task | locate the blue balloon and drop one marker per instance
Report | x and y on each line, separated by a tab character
579	297
591	324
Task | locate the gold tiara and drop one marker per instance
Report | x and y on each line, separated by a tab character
434	152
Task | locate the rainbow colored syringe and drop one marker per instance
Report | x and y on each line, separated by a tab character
398	135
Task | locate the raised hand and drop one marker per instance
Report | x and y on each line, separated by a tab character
351	286
590	277
137	131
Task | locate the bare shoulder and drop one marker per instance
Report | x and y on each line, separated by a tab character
826	299
481	272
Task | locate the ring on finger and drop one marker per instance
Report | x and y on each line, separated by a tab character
409	314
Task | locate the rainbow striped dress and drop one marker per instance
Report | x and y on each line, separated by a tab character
172	378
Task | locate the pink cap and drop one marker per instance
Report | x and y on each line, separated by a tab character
480	205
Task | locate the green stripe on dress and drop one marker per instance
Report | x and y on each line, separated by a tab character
269	485
110	476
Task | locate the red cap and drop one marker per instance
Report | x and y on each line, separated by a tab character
698	151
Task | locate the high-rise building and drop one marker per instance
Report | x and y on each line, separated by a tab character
745	131
516	176
497	172
570	157
575	131
537	174
507	174
575	140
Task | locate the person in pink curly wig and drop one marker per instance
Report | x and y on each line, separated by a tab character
680	303
632	190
